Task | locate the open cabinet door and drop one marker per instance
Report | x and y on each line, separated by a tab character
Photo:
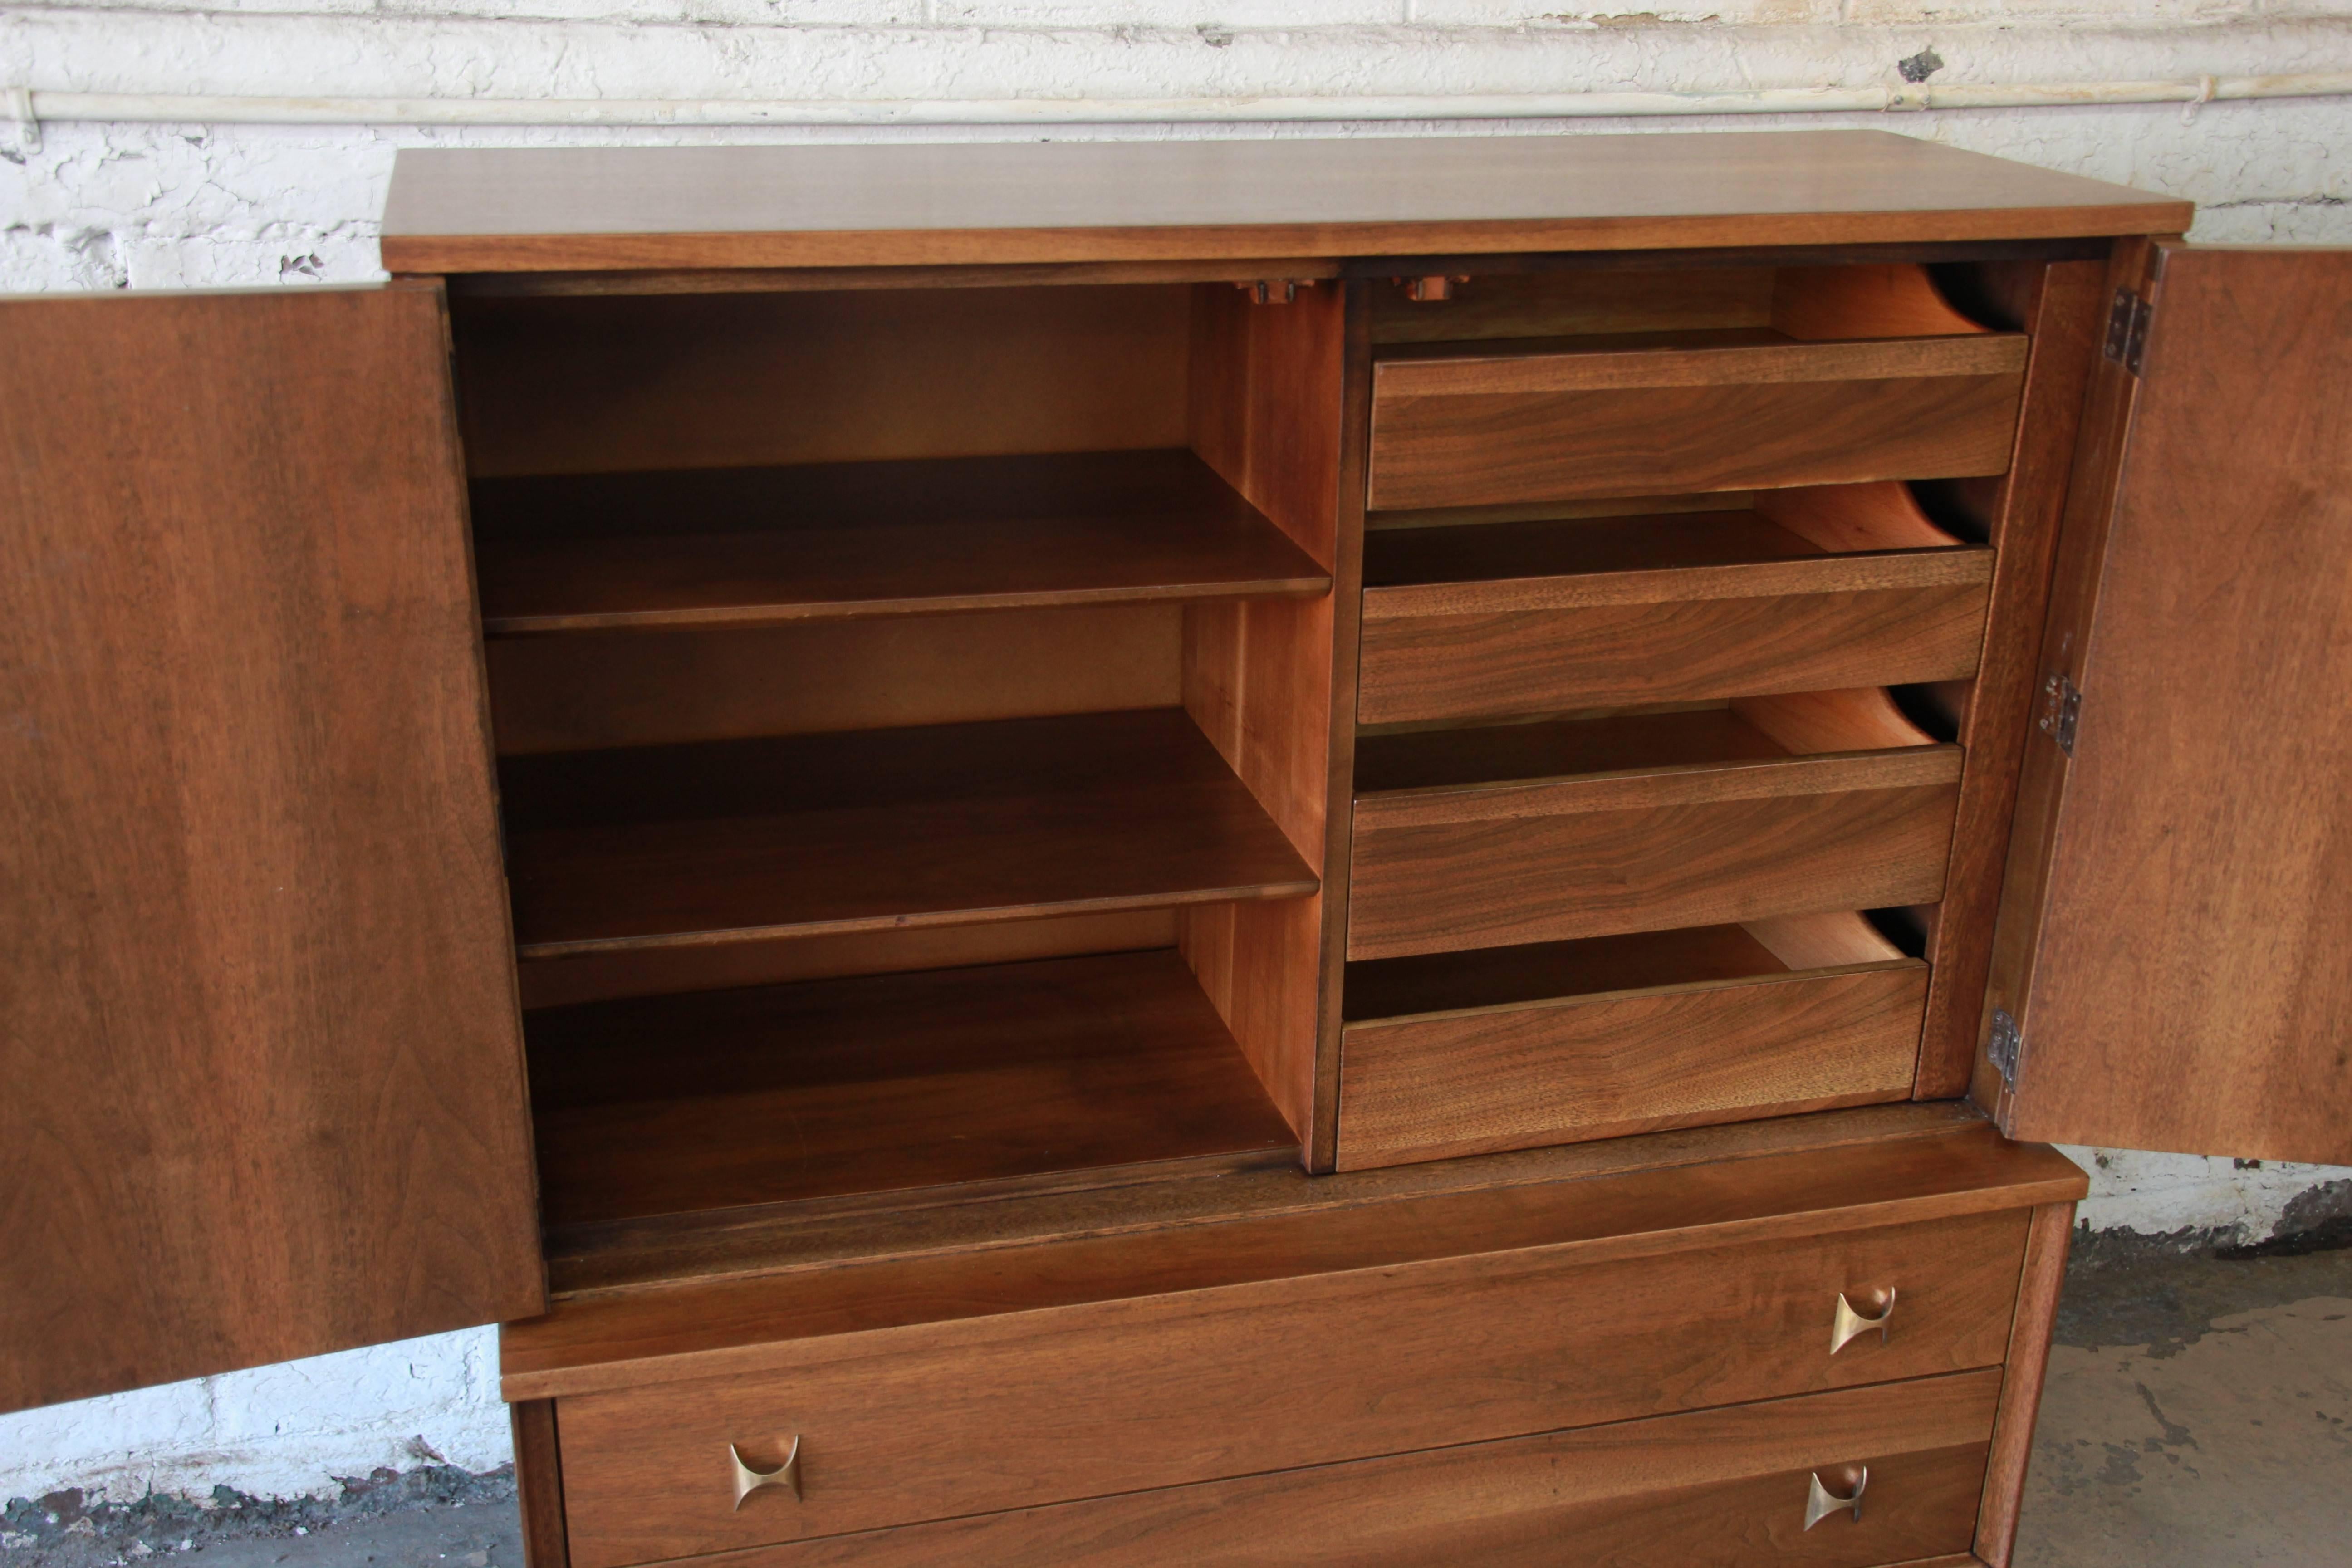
264	1075
2173	969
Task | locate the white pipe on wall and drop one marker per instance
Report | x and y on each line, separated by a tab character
33	107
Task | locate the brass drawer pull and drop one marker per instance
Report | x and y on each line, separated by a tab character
1821	1502
1848	1322
749	1480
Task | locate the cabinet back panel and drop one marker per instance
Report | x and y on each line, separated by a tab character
608	384
630	689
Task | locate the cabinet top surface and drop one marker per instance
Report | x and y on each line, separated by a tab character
500	210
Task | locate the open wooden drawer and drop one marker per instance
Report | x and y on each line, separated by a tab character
1505	834
1261	1323
1845	373
1517	1048
1796	590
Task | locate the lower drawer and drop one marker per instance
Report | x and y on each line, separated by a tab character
1718	1488
1015	1409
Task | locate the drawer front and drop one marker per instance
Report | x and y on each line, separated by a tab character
1435	886
1147	1392
1664	650
1526	1076
1720	1489
1493	429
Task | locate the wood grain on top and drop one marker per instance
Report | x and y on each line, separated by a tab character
735	547
606	208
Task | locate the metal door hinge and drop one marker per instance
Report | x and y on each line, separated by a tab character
1275	290
2128	330
2004	1046
2062	710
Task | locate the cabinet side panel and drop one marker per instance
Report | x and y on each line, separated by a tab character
2064	307
2039	1284
260	1029
539	1484
1265	412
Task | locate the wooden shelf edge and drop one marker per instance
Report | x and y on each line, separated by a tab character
743	617
1253	892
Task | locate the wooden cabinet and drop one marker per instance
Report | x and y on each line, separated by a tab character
1179	853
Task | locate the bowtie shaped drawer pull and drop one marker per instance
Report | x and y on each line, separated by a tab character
1821	1502
1850	1324
749	1480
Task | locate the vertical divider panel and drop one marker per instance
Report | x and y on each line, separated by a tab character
1348	618
1264	410
2062	306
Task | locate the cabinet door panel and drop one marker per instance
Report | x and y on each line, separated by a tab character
256	992
2177	940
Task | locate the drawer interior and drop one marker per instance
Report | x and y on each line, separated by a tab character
881	818
1547	386
1431	984
1882	520
1449	1054
1584	303
1394	766
1653	789
1501	611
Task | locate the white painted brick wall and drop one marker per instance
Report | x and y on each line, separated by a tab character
103	206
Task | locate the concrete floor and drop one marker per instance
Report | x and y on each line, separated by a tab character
2198	1415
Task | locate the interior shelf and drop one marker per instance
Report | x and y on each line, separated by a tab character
882	829
756	546
722	1099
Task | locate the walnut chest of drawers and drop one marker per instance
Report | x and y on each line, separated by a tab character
1354	852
